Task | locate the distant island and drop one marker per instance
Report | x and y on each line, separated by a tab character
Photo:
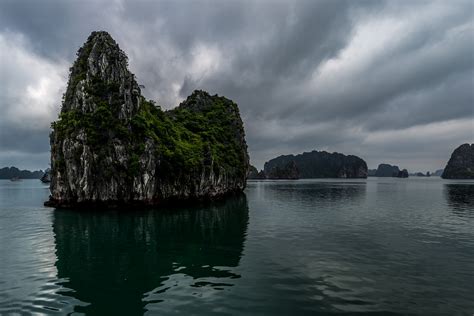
387	170
111	146
314	164
324	165
421	174
14	172
461	163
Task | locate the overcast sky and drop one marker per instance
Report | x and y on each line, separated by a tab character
388	81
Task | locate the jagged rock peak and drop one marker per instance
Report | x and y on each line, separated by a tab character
100	76
197	101
201	100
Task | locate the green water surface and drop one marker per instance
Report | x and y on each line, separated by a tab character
377	246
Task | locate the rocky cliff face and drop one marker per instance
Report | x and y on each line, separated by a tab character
288	171
461	163
322	164
110	145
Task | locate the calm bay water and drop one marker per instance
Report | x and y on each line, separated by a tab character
378	246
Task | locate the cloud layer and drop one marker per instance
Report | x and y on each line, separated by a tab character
389	81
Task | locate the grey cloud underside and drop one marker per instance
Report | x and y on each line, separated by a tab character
272	58
20	138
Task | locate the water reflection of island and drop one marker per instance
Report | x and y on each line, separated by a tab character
316	192
112	259
460	197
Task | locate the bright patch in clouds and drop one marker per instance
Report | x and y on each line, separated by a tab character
32	85
206	60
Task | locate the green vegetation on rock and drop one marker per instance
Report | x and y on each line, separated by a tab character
113	144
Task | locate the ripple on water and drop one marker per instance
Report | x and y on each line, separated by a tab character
379	246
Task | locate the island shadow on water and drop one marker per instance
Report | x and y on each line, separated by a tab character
113	260
460	197
312	193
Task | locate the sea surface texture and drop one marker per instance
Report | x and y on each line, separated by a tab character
380	246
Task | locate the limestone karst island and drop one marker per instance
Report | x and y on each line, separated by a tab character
111	146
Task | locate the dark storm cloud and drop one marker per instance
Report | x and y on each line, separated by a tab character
360	77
